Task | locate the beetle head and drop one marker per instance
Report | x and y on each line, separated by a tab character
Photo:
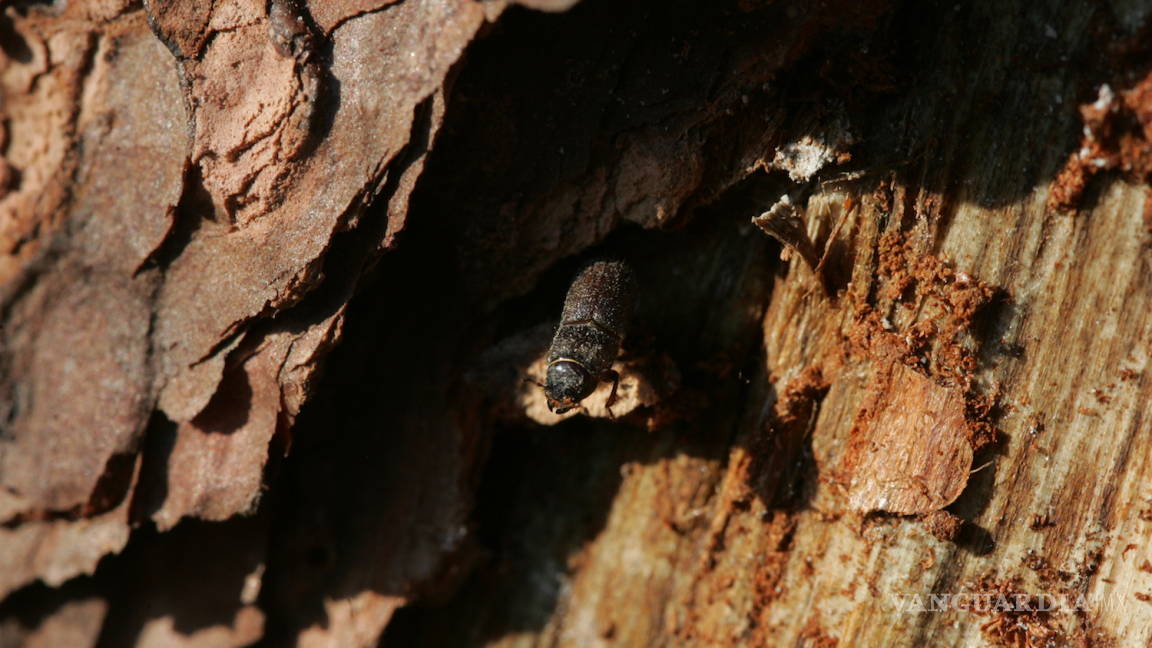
566	385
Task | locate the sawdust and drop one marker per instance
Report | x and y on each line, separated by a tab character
1117	136
912	443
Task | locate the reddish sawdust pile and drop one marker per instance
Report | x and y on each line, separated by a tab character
1055	618
911	446
946	301
1015	618
943	525
1117	136
1130	374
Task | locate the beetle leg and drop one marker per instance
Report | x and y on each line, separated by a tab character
614	378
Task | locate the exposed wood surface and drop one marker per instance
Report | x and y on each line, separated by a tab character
272	276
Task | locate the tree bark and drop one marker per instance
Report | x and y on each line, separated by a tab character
276	280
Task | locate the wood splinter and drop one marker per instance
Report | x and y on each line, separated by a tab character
783	223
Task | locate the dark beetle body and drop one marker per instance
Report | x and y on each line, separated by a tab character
595	318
